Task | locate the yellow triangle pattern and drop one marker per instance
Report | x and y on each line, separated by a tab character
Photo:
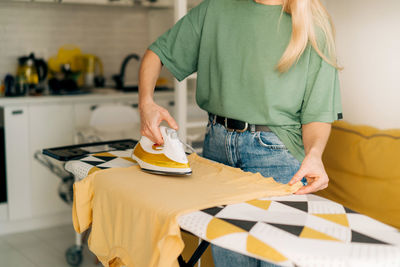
104	154
262	204
93	169
129	159
336	218
256	247
314	234
217	228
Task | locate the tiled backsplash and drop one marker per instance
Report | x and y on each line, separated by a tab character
109	32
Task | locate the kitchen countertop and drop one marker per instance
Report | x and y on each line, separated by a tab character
96	95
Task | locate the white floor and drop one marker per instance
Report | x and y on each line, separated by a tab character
41	248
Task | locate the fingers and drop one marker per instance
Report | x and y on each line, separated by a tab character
171	122
317	184
306	189
157	135
151	116
298	176
154	134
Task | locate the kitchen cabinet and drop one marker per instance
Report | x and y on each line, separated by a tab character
34	123
18	163
50	125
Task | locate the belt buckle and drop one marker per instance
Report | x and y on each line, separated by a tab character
246	125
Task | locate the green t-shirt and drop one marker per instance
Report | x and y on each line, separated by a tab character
235	45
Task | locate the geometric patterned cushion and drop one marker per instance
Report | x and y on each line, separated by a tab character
304	230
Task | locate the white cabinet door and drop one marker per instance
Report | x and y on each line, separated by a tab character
82	113
18	162
50	125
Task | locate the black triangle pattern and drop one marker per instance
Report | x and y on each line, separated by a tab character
349	210
361	238
292	229
212	211
300	205
105	158
245	225
80	157
93	163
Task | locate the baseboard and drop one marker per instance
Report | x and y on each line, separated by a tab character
9	227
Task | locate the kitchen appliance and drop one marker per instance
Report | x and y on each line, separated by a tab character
65	82
10	89
66	55
31	72
92	70
168	159
70	64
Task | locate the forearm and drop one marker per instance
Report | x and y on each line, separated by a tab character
315	137
151	114
149	72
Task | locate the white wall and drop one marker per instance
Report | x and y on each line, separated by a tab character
109	32
368	42
160	20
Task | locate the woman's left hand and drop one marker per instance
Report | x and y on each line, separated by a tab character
313	170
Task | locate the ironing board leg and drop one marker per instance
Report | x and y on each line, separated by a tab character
196	255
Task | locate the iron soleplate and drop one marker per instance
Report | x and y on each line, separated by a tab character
165	173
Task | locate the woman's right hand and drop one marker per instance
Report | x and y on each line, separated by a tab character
151	115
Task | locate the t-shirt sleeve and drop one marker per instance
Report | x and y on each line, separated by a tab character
322	98
178	48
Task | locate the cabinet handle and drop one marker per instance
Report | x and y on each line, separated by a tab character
135	105
17	112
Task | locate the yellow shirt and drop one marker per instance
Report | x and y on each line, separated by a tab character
134	214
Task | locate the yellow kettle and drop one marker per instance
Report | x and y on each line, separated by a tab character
92	70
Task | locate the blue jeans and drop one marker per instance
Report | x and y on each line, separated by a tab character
261	152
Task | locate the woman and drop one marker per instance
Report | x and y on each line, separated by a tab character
267	75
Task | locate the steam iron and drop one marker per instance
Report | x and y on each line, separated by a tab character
168	159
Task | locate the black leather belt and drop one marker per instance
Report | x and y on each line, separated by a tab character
233	125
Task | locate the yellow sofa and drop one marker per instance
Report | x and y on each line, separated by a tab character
363	164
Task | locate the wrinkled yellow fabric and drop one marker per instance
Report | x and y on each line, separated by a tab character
134	214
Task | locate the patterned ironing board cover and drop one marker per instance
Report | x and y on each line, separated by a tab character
296	230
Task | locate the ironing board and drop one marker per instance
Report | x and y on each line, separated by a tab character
296	230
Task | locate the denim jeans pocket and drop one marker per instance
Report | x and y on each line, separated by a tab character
270	140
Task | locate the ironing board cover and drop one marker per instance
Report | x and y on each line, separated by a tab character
296	230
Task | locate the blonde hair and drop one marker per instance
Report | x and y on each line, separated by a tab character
307	16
